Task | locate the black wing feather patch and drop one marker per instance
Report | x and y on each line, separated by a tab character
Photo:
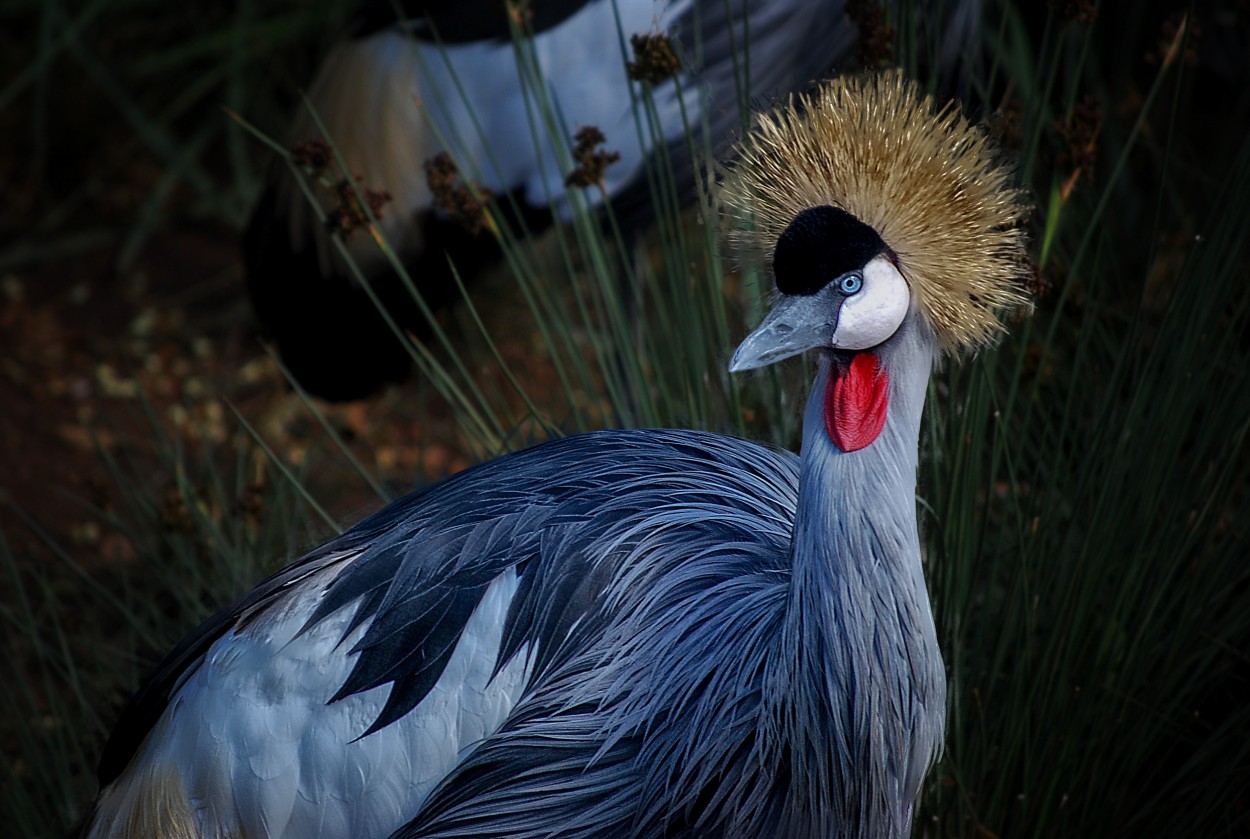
561	514
625	734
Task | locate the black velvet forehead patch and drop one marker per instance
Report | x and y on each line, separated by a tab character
820	245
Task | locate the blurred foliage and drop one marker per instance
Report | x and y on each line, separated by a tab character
112	111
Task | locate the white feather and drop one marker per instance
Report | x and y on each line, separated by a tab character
259	752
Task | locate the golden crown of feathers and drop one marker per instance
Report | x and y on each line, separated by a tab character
926	179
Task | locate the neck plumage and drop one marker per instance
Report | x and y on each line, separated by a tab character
866	694
857	510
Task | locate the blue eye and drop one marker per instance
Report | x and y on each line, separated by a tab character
851	284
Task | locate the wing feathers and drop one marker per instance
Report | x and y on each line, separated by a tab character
521	594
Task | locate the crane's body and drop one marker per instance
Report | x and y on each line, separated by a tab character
645	567
649	633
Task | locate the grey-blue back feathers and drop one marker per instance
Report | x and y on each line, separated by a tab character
655	598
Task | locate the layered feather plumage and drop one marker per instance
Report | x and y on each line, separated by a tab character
621	546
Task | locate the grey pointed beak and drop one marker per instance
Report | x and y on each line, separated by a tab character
796	323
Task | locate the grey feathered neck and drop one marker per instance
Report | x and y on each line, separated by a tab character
859	623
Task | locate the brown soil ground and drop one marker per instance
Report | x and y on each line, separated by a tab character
87	360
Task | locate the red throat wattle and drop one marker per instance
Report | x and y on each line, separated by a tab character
856	399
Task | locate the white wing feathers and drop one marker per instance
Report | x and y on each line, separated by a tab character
216	758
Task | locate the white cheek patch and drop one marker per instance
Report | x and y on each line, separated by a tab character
871	316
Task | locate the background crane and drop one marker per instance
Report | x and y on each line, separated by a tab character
634	632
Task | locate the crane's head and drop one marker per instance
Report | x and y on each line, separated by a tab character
872	206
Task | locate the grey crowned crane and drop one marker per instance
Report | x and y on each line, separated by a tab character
647	633
393	95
